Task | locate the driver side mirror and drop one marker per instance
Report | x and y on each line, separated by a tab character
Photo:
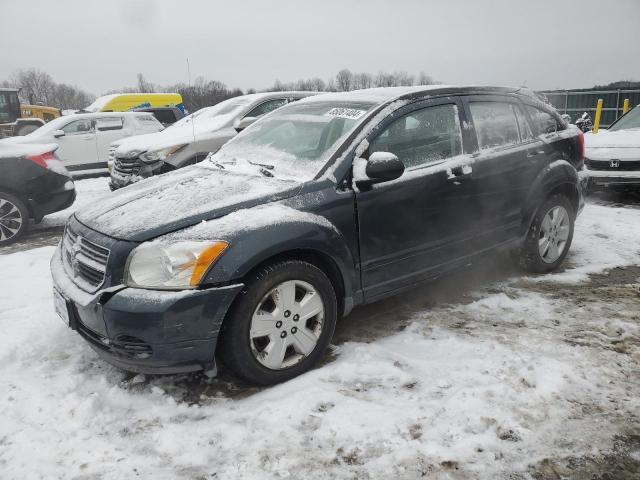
381	167
243	123
58	133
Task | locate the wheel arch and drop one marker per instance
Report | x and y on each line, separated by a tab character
558	177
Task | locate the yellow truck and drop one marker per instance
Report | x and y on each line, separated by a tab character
17	119
123	102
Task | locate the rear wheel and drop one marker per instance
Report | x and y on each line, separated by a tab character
14	218
281	324
549	237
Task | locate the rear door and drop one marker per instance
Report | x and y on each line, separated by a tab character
506	160
108	130
77	147
417	224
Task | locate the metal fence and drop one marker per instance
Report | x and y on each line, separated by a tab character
575	103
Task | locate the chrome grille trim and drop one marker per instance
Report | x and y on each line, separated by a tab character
85	262
127	166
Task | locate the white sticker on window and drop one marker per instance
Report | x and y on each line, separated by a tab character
341	112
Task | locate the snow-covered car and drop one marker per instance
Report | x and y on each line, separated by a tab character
33	183
612	156
191	139
83	139
328	203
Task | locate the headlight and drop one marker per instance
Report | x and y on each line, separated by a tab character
171	266
156	155
130	154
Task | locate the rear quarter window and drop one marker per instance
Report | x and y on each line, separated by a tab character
544	121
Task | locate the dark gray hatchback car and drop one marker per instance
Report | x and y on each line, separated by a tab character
328	203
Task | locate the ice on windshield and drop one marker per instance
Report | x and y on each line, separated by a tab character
293	142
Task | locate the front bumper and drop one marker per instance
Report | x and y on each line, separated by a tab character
142	171
147	331
606	178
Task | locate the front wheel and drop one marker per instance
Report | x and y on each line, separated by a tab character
281	324
549	237
14	218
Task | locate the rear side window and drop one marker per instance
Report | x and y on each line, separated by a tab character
544	121
495	123
109	123
267	107
422	137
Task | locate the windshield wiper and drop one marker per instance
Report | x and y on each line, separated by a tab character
263	165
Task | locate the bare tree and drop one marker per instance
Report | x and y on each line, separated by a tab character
344	80
384	79
424	79
144	86
362	80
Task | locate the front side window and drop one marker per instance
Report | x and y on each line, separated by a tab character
495	123
422	137
545	122
78	126
267	107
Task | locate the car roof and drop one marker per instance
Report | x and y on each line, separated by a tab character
382	95
105	114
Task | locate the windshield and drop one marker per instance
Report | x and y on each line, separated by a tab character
630	120
148	123
229	106
294	141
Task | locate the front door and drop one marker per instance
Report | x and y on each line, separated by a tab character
77	147
411	227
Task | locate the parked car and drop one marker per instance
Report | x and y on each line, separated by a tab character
332	202
191	139
33	183
165	115
612	156
84	138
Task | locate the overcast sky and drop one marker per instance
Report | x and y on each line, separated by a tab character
101	45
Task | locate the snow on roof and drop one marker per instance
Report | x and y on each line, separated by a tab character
12	150
380	95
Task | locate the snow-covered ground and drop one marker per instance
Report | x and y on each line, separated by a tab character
504	381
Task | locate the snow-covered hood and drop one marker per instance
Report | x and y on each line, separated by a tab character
167	203
174	135
621	144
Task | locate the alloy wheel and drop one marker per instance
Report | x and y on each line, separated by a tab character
286	325
10	220
554	233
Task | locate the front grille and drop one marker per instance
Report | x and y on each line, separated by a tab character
127	166
84	261
605	165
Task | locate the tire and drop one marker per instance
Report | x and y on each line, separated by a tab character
553	224
267	318
14	218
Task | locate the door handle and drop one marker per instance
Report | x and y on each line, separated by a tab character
534	153
458	174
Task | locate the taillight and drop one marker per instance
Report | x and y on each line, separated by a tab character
581	146
42	159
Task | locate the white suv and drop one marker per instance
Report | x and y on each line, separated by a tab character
83	139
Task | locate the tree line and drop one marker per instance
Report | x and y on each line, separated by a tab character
38	87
